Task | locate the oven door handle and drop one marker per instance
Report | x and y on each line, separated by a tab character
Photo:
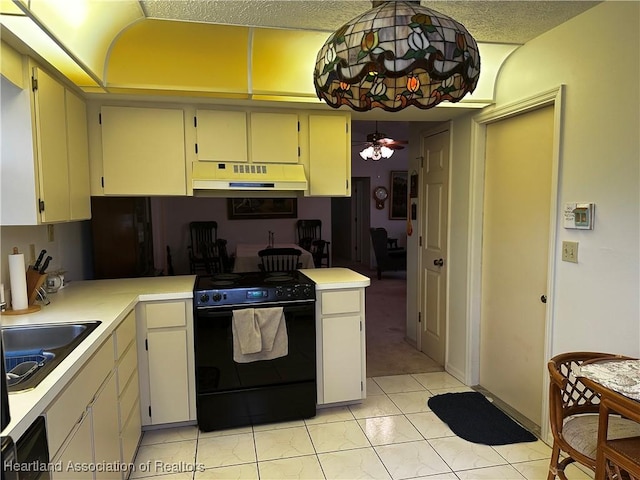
217	312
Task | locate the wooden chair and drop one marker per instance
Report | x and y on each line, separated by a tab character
309	235
386	259
200	234
573	414
279	259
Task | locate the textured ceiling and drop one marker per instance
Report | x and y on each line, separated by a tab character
514	22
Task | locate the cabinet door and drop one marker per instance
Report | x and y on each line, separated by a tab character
51	147
168	375
274	137
78	157
76	453
329	155
221	135
106	434
143	151
341	358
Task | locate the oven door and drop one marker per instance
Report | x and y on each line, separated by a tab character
231	394
216	371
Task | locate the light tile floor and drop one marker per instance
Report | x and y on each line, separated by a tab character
391	435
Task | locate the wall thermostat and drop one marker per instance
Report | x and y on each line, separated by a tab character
579	215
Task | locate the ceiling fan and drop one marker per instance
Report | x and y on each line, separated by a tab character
378	146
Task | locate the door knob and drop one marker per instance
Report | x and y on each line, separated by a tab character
543	299
438	262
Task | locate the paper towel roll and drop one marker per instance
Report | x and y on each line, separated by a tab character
17	275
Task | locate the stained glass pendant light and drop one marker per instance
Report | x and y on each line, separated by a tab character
395	55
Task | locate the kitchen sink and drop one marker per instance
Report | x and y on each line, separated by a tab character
32	351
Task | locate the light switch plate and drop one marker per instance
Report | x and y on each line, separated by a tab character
570	252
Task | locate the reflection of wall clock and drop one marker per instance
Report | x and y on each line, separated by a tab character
380	194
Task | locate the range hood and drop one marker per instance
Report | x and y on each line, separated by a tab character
251	176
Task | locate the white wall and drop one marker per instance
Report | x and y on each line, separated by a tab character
70	249
596	55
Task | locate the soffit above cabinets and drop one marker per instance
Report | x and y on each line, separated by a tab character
111	47
66	33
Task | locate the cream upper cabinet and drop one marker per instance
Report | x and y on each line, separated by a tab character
78	156
51	147
274	137
45	156
221	135
143	151
329	155
240	136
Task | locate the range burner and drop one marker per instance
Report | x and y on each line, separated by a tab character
226	276
278	279
231	289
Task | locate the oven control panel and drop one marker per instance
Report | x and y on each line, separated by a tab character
242	296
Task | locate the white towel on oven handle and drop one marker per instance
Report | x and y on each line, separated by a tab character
246	331
273	324
269	321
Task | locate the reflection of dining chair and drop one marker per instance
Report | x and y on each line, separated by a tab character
279	259
211	257
573	414
309	237
200	233
386	259
226	260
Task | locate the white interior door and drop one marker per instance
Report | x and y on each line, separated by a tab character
516	229
433	249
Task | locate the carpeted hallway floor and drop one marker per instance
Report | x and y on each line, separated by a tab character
388	352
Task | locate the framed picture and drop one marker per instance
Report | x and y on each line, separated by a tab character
398	196
249	208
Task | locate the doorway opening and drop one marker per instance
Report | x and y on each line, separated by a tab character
388	351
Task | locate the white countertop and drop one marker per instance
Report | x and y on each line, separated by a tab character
338	277
106	300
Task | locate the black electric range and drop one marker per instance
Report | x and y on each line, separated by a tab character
229	289
232	392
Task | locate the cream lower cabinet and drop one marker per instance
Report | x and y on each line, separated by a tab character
104	424
166	362
88	402
76	455
340	338
87	435
128	420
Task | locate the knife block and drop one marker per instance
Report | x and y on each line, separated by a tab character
35	280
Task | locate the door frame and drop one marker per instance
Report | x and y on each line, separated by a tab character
552	97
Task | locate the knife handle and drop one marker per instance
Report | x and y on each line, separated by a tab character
45	265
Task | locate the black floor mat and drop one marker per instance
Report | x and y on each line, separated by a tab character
474	418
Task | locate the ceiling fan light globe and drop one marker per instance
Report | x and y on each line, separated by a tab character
386	152
367	153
